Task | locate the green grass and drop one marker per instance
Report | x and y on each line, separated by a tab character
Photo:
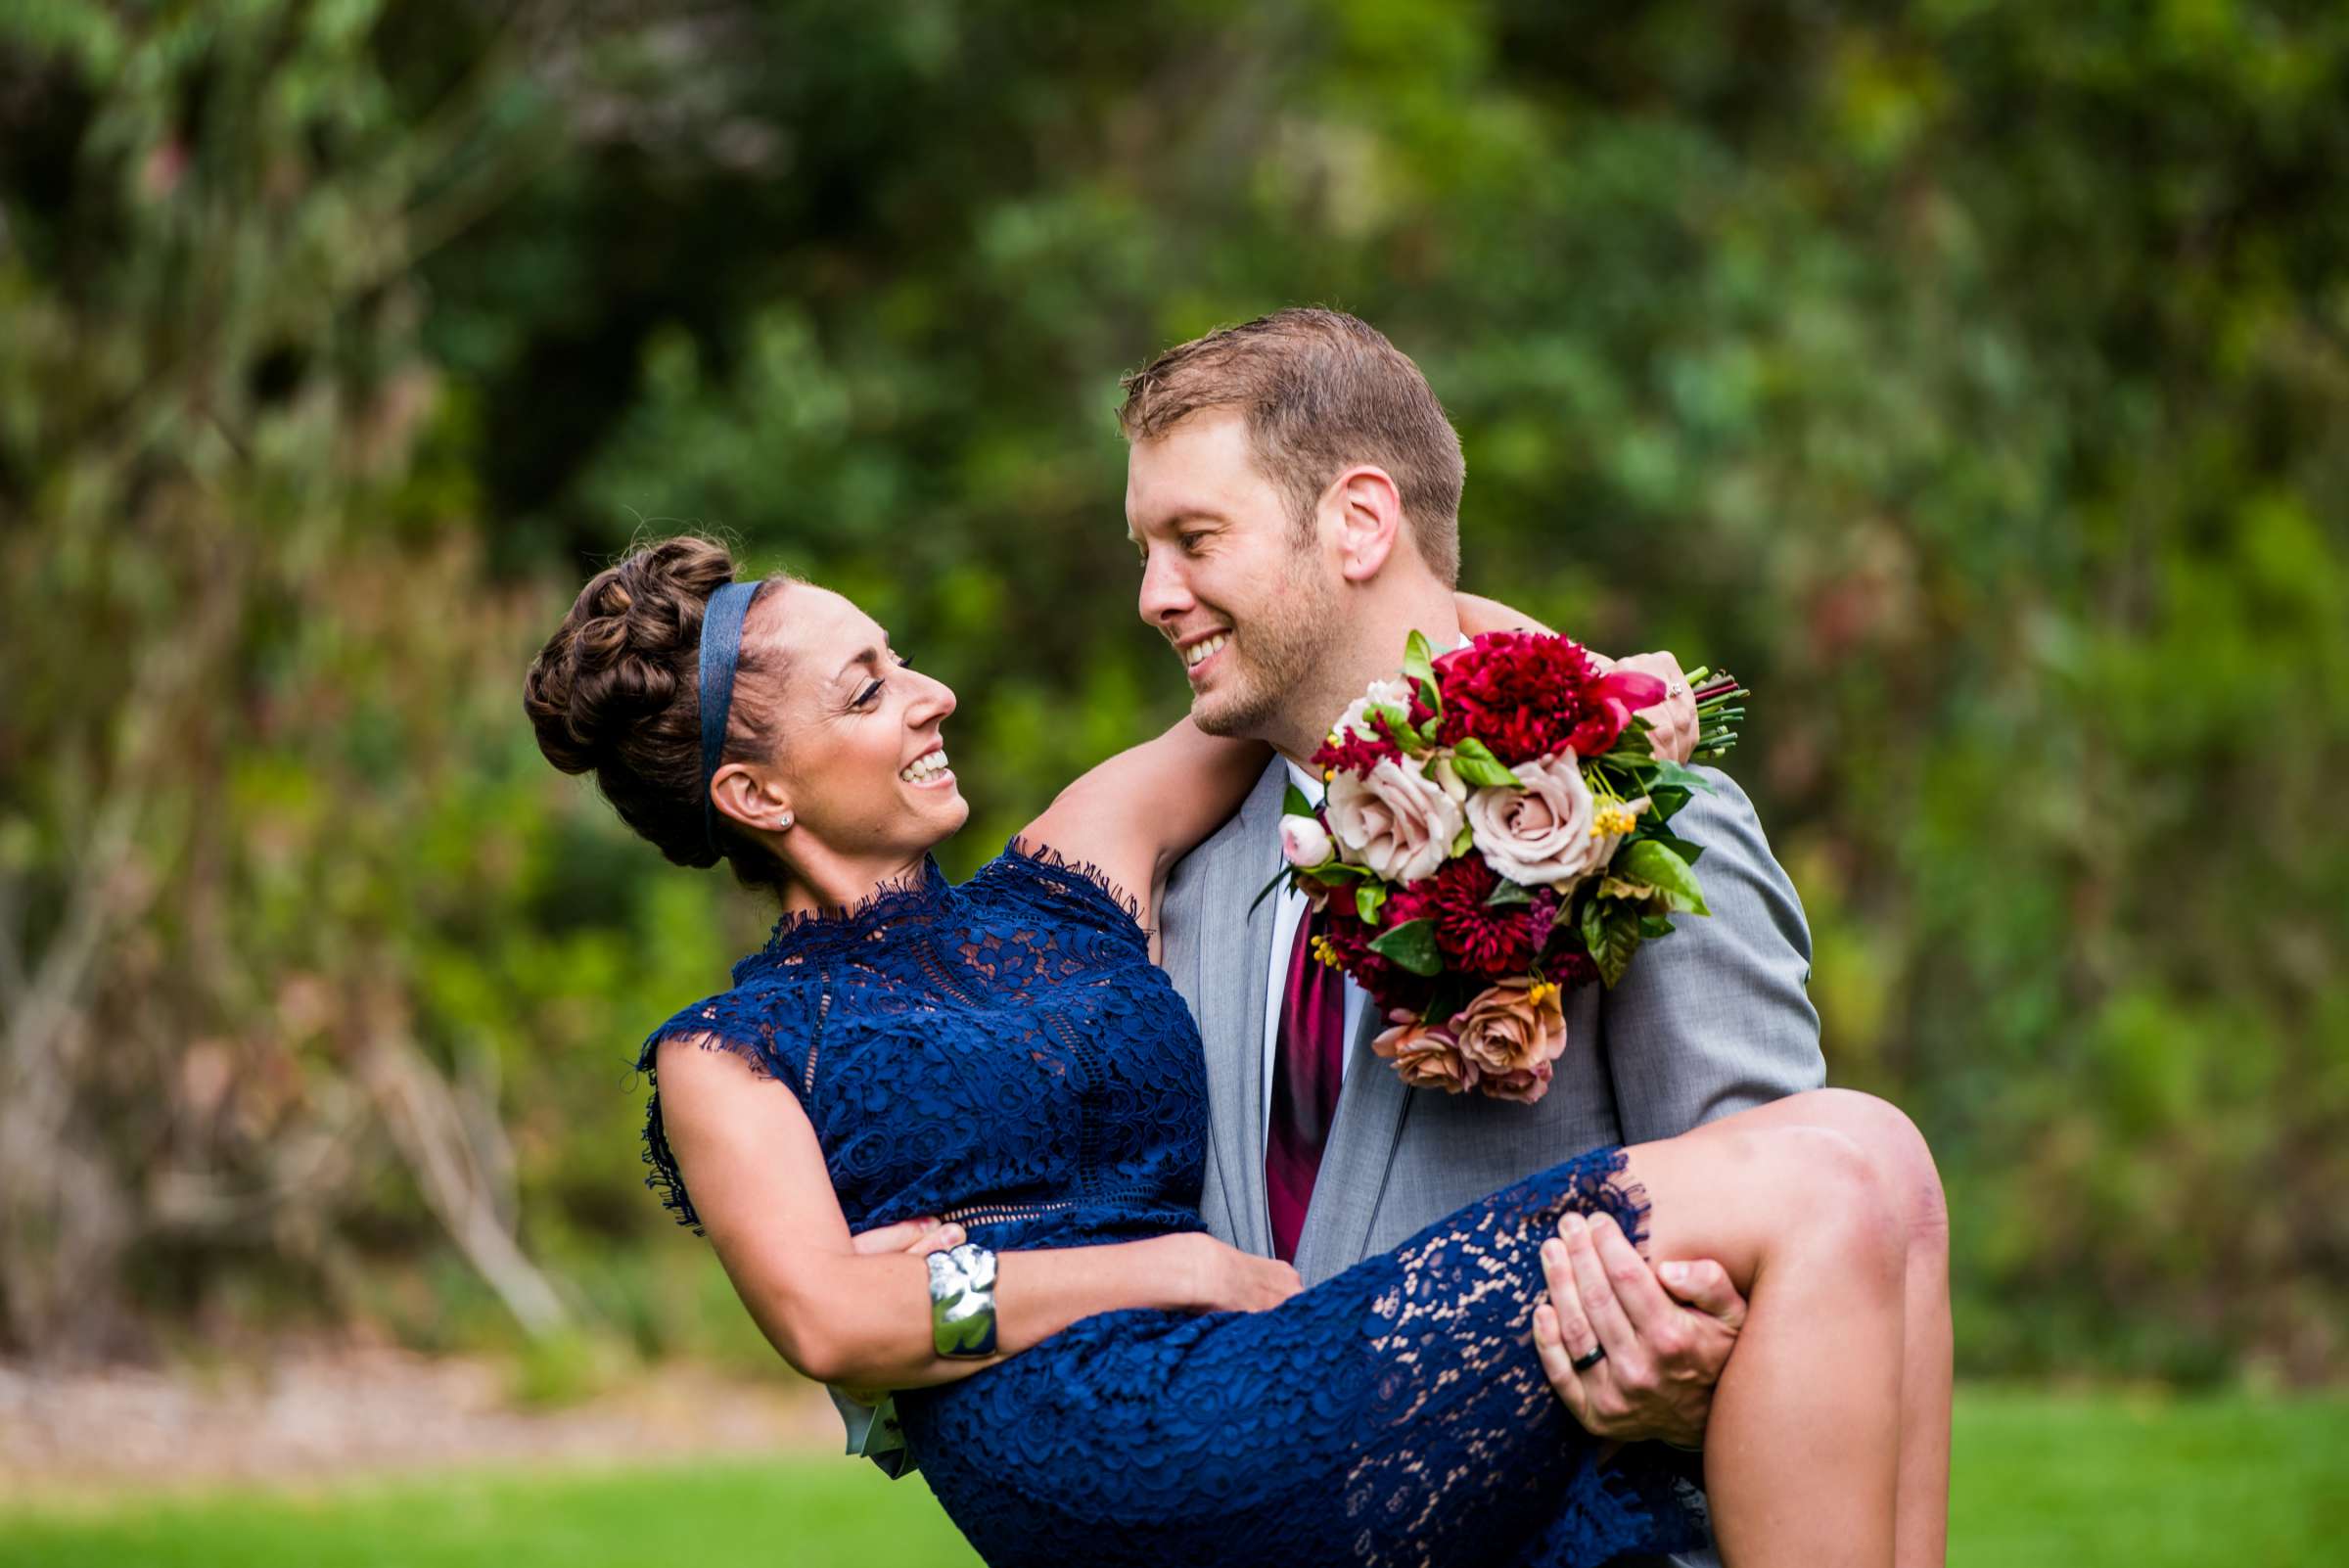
2041	1479
2149	1482
780	1513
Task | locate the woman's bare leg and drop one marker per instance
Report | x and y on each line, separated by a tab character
1904	1165
1808	1454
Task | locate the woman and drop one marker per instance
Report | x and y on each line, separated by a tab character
1004	1055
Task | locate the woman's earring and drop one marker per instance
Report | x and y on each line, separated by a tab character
783	821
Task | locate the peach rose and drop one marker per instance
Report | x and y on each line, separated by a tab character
1538	834
1672	725
1523	1086
1426	1056
1510	1034
1395	821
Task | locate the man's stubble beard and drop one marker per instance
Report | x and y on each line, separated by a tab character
1282	654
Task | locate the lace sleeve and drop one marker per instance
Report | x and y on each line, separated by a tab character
768	1024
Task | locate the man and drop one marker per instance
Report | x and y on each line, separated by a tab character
1293	488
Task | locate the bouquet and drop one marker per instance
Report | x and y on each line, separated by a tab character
1494	833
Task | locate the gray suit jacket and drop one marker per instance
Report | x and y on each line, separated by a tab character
1710	1020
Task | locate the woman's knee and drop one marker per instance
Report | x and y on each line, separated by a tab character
1899	1155
1833	1202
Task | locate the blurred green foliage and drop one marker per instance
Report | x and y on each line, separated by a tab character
1972	377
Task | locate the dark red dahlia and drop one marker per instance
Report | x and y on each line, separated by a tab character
1497	944
1521	693
1529	694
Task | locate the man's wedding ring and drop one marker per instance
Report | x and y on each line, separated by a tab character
1584	1363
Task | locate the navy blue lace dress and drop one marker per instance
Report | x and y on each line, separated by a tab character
1004	1053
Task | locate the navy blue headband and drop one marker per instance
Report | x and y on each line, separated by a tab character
722	648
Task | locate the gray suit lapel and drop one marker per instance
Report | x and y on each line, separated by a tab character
1354	1160
1234	953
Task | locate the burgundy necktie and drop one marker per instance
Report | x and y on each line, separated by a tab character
1308	1067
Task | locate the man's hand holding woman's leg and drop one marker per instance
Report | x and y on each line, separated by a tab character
1661	1335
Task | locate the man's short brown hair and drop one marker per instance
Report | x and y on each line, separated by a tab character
1319	391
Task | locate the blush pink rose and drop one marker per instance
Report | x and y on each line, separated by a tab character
1304	841
1426	1056
1394	820
1511	1038
1672	727
1538	834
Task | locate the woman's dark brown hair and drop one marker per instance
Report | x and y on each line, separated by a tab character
614	692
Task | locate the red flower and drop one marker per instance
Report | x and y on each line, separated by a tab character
1412	900
1361	739
1565	961
1355	754
1497	944
1610	701
1390	985
1527	694
1519	692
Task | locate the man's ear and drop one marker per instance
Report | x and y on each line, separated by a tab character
1368	510
757	803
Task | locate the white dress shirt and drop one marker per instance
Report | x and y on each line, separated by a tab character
1288	909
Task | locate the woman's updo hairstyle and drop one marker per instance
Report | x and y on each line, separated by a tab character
615	692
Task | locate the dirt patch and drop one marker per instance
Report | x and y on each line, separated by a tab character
369	1413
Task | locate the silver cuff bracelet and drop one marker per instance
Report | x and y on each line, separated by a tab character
962	1301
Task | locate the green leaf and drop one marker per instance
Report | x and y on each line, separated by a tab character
1678	776
1690	853
1663	804
1294	803
1326	871
1265	891
1648	861
1418	659
1411	946
1506	893
1368	899
1653	926
1611	931
1464	839
1478	767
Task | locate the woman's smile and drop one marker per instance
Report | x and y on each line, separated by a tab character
930	770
